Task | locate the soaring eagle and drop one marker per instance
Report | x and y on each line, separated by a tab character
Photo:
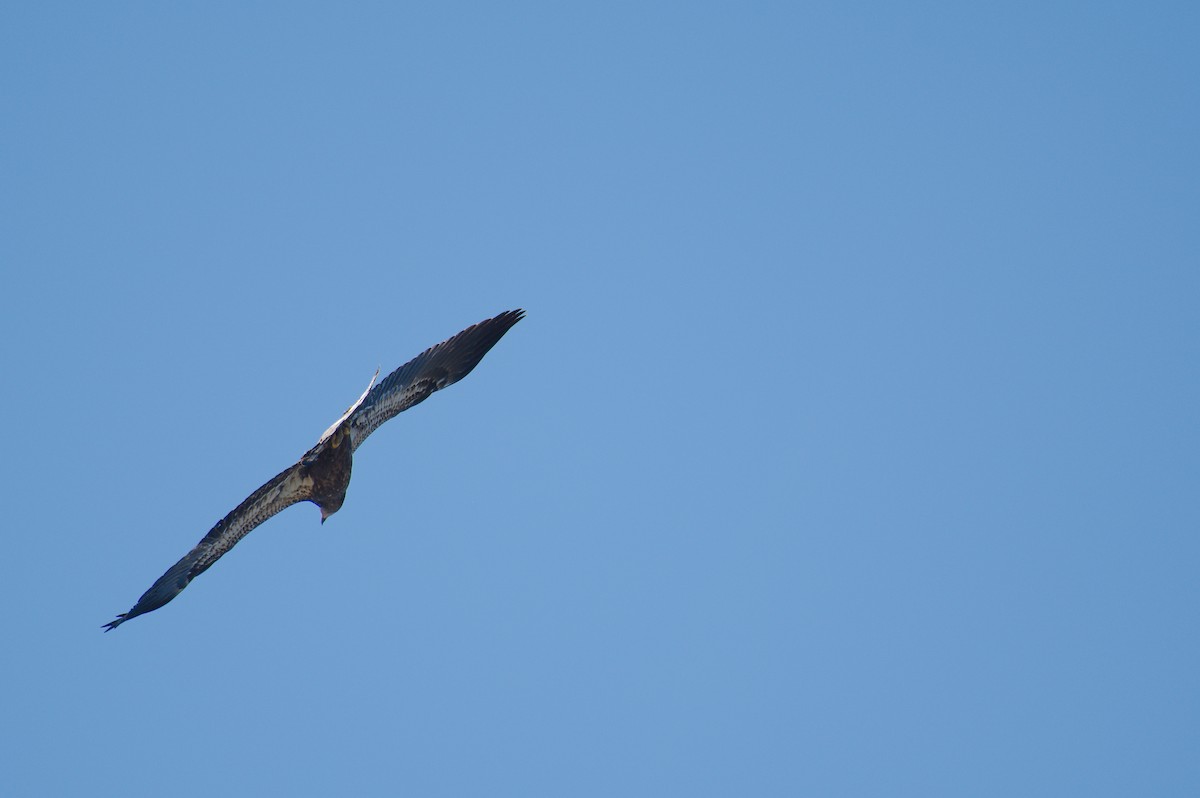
323	473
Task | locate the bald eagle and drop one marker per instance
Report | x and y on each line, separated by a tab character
323	473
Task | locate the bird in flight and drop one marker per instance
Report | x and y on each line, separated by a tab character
323	473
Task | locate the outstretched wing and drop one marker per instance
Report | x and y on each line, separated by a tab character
432	370
333	427
287	488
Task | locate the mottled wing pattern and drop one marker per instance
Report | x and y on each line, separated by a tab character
287	488
325	435
432	370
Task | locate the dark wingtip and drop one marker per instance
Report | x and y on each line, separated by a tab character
120	619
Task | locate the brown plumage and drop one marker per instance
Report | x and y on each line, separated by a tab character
322	475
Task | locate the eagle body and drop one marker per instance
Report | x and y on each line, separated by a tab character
328	465
322	475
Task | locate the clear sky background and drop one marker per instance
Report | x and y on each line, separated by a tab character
850	446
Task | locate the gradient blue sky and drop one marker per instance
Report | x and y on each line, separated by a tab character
850	446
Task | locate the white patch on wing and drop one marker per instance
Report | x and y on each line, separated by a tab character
353	407
295	483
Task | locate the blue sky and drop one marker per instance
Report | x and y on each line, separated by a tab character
849	447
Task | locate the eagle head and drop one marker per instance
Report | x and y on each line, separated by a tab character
328	509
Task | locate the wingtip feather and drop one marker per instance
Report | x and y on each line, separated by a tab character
113	624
